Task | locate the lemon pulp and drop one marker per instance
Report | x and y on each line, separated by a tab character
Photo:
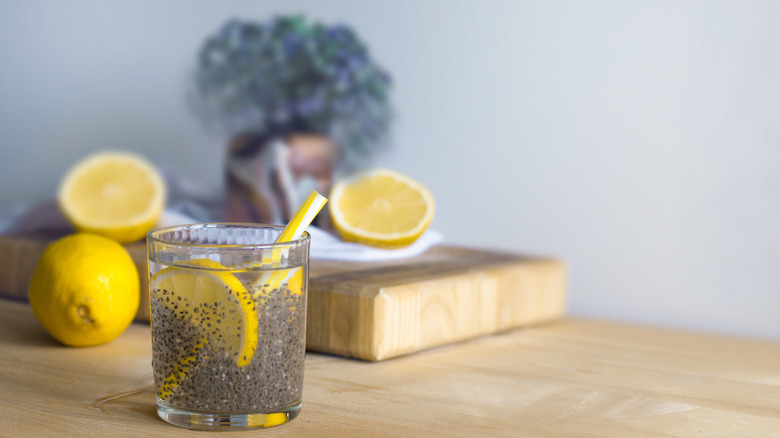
381	208
115	194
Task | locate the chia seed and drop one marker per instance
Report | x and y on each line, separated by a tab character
212	382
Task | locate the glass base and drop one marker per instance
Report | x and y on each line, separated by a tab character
204	421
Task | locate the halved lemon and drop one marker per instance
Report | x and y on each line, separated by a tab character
381	208
213	299
116	194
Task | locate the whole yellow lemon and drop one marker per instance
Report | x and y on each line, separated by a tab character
85	290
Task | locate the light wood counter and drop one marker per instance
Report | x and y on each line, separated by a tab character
568	379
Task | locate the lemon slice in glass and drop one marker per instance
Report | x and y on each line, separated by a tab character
116	194
381	208
214	300
180	370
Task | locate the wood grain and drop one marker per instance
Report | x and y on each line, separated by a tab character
380	310
447	295
571	378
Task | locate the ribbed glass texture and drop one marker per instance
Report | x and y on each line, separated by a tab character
236	246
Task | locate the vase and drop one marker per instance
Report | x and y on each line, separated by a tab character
268	178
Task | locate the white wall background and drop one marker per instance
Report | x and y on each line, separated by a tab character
639	141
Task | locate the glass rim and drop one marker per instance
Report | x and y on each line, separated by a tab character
151	236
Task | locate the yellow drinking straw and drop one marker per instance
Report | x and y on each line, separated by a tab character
303	217
294	230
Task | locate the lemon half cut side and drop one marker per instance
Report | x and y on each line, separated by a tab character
113	193
381	208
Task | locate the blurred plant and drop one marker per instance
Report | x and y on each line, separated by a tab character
287	76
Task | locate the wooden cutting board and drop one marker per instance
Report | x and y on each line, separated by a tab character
380	310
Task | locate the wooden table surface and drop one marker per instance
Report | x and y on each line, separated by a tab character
567	379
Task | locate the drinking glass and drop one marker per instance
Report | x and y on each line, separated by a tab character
228	317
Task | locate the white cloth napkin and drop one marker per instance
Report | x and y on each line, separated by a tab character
326	246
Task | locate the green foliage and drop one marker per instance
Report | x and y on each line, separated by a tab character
288	76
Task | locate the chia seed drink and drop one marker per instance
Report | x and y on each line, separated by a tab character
228	316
